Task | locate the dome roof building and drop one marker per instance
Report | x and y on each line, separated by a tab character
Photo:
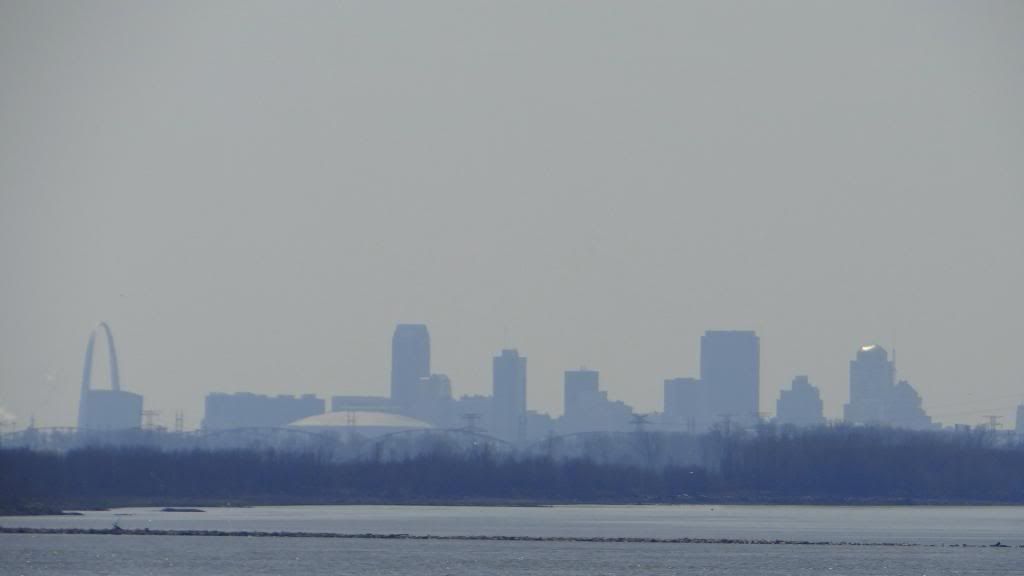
362	422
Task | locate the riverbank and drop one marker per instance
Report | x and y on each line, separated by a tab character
74	507
116	531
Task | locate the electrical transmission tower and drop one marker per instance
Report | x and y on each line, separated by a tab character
148	417
639	421
993	421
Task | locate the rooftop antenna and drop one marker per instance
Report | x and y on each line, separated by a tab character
179	422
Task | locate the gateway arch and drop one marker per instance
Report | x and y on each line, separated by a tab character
112	409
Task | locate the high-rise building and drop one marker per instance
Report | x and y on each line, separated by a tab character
905	408
877	399
410	362
509	407
1020	420
730	366
433	401
800	405
434	387
580	385
588	409
687	405
871	380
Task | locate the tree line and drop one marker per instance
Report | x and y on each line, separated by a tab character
827	464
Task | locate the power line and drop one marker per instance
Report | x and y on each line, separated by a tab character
991	399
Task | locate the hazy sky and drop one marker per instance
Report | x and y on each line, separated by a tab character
253	194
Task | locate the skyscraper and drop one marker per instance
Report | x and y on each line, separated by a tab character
730	366
580	386
875	396
871	380
686	404
510	396
1020	420
410	361
433	401
800	405
588	409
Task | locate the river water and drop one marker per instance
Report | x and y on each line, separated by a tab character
935	535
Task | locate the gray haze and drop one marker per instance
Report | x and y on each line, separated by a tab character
253	194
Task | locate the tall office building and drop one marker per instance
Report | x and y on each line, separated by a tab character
588	409
410	362
580	386
730	366
1020	420
905	409
871	382
433	401
875	396
510	396
800	405
686	405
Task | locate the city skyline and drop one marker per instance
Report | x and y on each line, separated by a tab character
530	287
254	198
726	392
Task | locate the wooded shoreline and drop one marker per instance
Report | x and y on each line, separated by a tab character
825	466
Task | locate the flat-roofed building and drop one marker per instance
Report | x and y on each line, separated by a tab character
730	366
247	410
111	410
687	405
509	389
